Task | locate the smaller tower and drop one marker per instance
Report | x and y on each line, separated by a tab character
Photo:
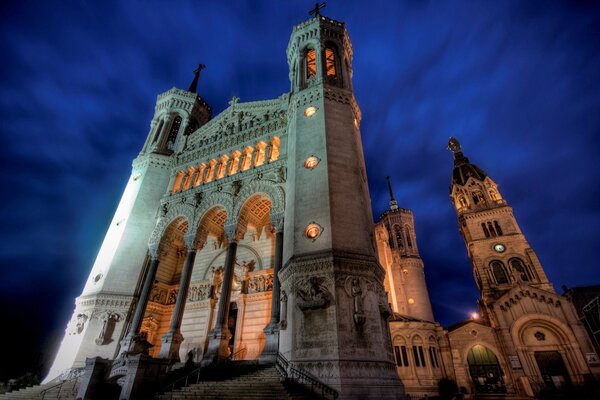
399	255
501	256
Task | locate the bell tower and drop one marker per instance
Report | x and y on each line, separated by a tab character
334	305
501	256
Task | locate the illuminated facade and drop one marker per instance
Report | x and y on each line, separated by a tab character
249	236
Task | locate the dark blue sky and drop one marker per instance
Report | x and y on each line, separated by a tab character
518	82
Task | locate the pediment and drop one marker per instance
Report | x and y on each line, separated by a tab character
517	294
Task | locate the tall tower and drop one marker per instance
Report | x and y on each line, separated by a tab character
534	328
102	311
332	284
399	255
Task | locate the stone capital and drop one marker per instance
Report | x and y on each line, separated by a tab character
276	222
234	232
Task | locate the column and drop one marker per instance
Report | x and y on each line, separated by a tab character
271	349
171	341
218	338
128	344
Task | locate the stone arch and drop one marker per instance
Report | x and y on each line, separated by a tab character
176	211
490	346
240	246
271	190
212	200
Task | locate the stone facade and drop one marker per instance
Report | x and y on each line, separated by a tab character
249	236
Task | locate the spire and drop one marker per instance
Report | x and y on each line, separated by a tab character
194	85
393	202
463	169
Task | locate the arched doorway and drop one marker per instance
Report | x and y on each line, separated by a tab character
485	370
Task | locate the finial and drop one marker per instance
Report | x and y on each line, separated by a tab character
393	202
234	100
194	85
316	12
453	145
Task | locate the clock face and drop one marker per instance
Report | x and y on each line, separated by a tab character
499	248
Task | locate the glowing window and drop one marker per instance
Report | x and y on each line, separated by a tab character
188	178
275	142
177	181
210	173
222	166
235	162
247	159
411	301
310	111
259	159
329	62
199	175
311	63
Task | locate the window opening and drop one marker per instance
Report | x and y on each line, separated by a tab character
311	63
499	272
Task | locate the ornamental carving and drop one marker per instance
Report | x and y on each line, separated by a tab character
311	293
200	291
260	283
109	320
77	324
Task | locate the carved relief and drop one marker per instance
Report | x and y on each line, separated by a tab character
312	294
109	320
200	291
260	283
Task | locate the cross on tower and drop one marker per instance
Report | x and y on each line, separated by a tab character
316	11
194	85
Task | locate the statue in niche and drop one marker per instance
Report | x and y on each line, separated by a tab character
80	323
172	296
108	326
312	294
359	316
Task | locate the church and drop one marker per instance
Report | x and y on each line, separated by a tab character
248	237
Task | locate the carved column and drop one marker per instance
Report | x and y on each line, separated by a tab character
218	345
128	344
171	341
271	349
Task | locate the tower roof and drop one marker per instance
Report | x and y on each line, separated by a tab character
463	168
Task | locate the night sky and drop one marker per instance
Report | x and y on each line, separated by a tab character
517	82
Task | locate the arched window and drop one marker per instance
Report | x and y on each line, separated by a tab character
398	234
499	272
485	230
247	159
311	63
498	229
407	234
274	154
330	61
222	169
521	269
491	229
235	162
157	133
259	158
174	130
478	197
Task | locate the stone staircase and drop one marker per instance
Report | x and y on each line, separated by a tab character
50	391
241	382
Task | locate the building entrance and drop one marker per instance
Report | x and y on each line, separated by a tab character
485	370
231	323
552	368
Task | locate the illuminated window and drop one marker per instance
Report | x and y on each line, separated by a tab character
247	159
177	181
411	301
188	178
222	166
274	155
311	162
478	197
329	62
259	159
311	63
199	175
499	272
235	162
310	111
210	171
174	130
